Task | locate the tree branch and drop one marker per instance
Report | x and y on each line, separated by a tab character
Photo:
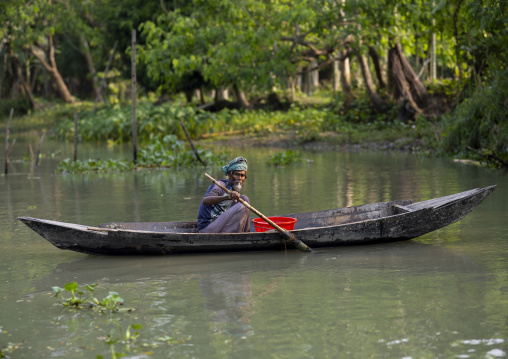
490	157
164	7
41	59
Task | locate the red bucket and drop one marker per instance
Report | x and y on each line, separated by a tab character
285	222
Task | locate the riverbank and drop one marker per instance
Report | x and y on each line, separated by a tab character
327	141
308	126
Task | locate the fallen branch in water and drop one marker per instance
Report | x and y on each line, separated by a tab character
192	144
490	157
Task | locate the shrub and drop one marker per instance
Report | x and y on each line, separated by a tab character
481	121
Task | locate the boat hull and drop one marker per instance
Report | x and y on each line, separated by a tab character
371	223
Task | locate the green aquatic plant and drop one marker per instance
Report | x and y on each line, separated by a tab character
108	304
76	299
95	165
284	158
165	152
114	123
127	338
111	303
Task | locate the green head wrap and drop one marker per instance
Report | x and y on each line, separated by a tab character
238	164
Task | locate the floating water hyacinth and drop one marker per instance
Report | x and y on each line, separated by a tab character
108	304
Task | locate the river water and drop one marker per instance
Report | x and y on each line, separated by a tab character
443	295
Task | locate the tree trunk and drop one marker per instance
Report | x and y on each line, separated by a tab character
49	64
202	95
377	103
308	80
404	84
188	95
33	80
314	74
292	87
377	66
104	76
241	99
25	89
91	67
345	81
336	75
299	80
418	90
433	61
399	85
15	88
392	88
221	94
305	83
45	80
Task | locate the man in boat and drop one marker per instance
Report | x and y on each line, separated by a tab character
220	212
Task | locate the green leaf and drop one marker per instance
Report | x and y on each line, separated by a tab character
70	287
91	287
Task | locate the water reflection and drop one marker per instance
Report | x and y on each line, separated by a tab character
441	295
228	298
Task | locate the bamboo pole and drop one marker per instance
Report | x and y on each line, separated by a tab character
39	150
75	136
285	234
6	170
32	154
134	124
192	143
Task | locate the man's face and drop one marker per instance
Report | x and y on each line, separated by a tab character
237	178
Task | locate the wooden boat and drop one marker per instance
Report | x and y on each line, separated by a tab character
370	223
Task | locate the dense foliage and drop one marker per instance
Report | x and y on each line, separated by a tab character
254	48
113	124
481	121
253	44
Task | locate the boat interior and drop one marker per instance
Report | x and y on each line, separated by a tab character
331	217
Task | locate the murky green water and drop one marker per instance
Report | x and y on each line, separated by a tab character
443	295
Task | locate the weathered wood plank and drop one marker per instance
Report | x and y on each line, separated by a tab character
397	209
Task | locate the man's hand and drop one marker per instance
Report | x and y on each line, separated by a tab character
234	196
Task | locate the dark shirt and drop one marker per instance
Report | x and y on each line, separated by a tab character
208	213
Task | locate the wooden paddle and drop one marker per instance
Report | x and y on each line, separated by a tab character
285	234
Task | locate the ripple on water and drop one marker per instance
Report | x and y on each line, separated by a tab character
480	346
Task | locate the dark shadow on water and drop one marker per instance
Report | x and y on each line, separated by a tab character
409	256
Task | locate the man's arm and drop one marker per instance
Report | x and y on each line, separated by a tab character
211	200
